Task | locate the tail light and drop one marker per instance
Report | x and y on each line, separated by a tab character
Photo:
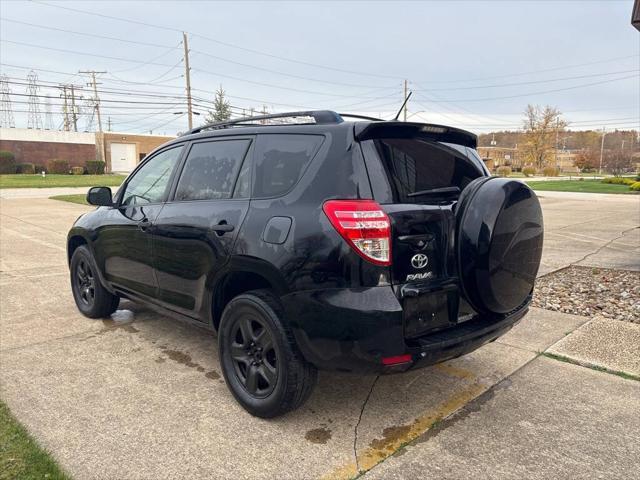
365	227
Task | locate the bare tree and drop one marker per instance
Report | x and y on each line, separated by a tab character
541	128
618	162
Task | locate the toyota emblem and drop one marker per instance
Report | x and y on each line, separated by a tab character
419	260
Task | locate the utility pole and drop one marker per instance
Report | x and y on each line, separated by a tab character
187	76
108	124
405	100
96	99
48	119
74	113
557	128
601	151
65	108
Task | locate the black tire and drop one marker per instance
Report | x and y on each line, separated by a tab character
260	361
92	299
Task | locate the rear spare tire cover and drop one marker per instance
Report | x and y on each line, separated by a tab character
499	243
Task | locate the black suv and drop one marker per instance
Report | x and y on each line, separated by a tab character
315	242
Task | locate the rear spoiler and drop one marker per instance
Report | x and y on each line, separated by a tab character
440	133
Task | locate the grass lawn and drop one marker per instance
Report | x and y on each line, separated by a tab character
20	455
80	198
38	181
586	186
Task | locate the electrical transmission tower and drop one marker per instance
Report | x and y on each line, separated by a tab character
48	117
34	119
6	120
90	108
94	103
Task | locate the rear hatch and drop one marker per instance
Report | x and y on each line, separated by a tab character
417	174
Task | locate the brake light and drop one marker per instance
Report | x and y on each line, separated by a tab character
365	227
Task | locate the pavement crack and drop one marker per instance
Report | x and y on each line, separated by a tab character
602	247
355	431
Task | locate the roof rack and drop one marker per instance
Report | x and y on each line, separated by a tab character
321	117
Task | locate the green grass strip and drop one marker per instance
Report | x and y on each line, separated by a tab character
598	368
80	198
20	456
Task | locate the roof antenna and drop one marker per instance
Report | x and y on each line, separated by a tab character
403	104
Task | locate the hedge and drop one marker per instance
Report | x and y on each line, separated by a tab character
551	171
7	162
95	167
59	166
40	168
503	171
25	168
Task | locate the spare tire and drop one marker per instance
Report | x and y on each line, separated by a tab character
499	243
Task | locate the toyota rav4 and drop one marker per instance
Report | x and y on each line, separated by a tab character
314	240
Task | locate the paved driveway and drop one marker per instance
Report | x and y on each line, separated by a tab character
140	396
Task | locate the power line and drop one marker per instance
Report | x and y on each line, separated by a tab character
544	70
95	35
536	93
528	83
257	52
207	72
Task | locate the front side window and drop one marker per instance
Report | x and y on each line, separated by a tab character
150	184
211	169
280	162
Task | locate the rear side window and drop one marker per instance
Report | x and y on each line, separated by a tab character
211	169
280	162
415	168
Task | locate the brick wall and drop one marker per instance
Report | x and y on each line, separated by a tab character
145	144
41	153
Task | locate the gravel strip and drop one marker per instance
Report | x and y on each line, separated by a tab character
591	291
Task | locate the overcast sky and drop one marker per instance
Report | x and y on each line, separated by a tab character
473	64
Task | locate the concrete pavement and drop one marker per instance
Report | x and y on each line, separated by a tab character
140	395
41	192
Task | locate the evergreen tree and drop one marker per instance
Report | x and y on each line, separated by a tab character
221	108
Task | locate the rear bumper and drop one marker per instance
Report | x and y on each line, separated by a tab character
354	329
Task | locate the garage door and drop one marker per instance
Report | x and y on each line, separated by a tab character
123	157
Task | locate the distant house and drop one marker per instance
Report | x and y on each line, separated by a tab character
495	157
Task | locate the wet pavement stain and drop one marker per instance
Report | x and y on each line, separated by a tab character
318	435
390	436
112	326
186	360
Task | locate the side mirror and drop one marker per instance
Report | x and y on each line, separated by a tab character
100	196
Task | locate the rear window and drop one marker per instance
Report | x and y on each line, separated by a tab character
419	170
280	162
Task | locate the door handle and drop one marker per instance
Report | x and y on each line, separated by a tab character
222	227
144	224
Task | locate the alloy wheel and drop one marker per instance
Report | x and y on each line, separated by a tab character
85	283
254	356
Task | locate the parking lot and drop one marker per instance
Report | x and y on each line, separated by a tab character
141	396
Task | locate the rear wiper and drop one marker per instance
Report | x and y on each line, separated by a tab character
435	191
